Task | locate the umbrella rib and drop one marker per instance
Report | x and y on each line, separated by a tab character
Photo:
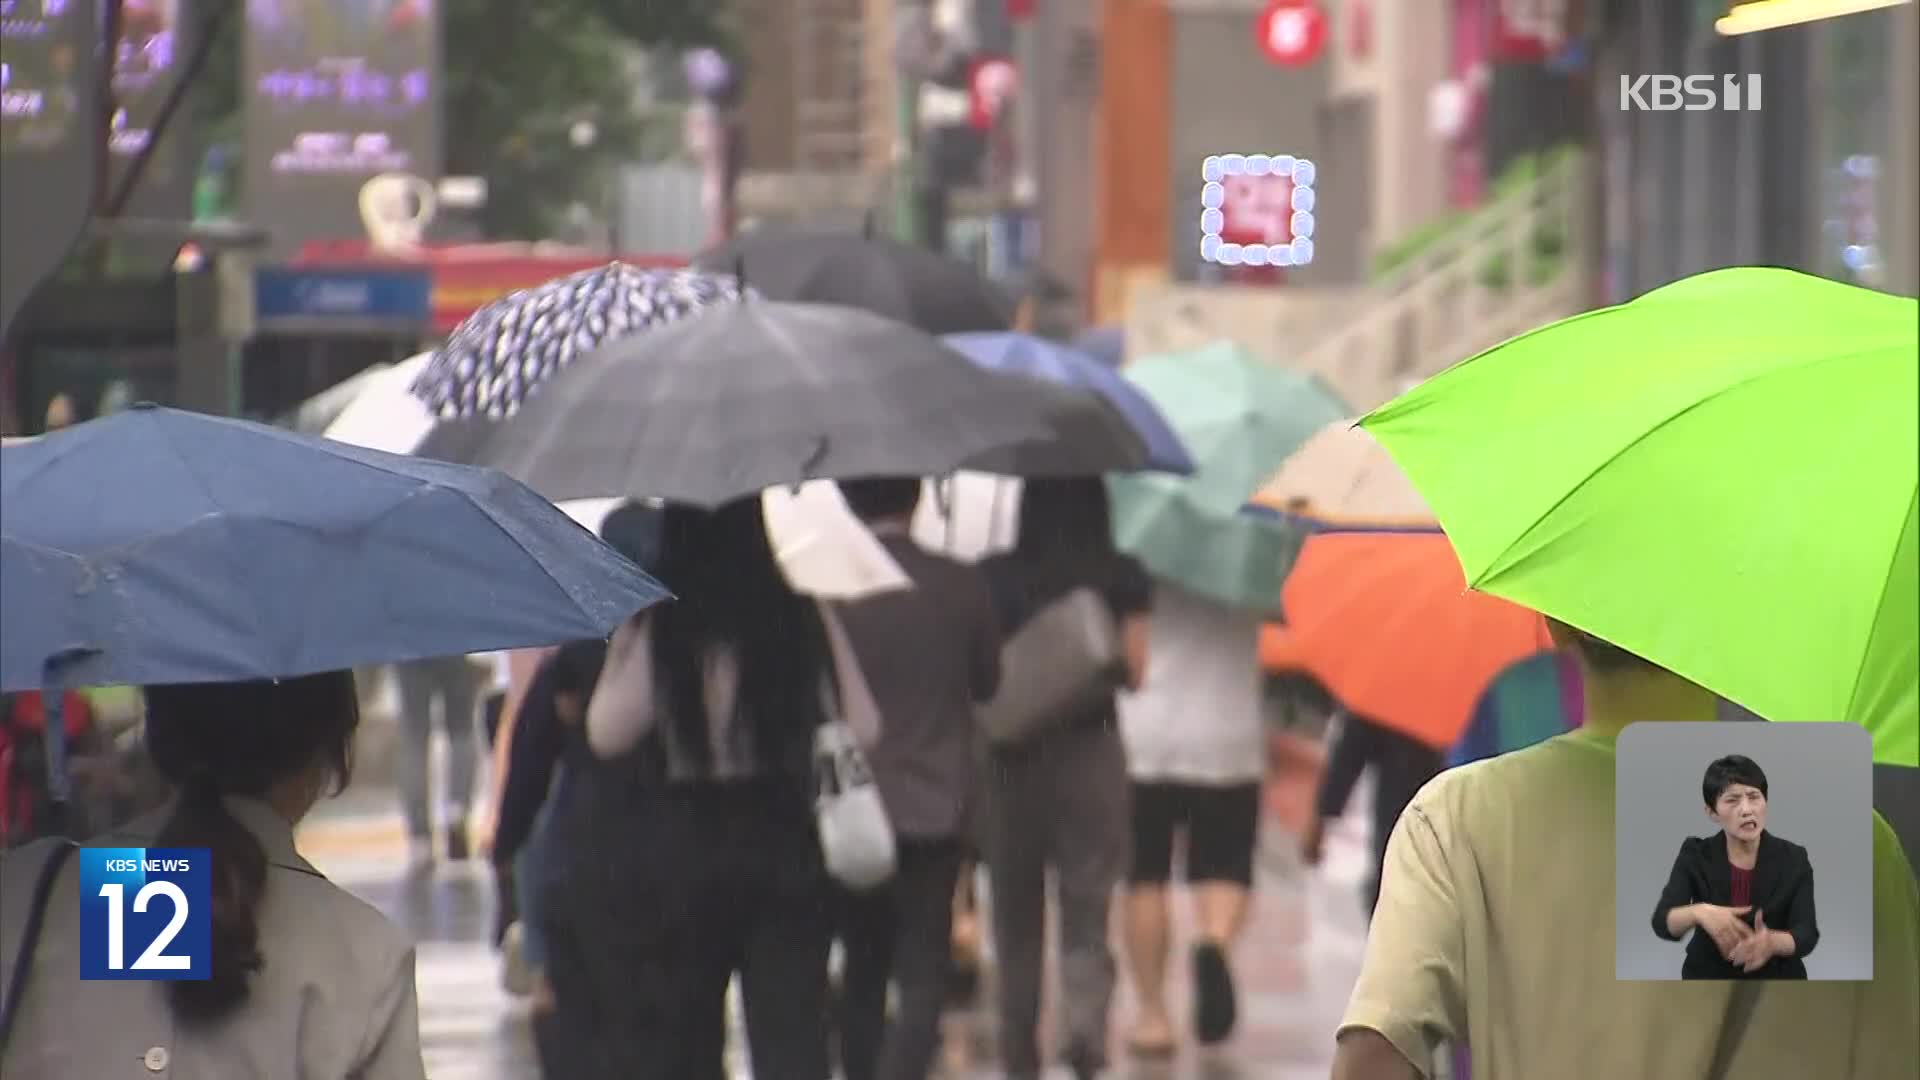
1853	697
1495	564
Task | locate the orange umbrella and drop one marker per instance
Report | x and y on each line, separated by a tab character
1385	621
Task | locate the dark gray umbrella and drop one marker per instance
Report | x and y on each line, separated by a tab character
756	394
922	288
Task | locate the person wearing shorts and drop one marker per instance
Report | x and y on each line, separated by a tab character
1196	753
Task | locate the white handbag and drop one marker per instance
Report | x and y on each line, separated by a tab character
856	837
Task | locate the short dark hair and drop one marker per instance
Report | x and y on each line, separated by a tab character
1728	771
1600	654
875	498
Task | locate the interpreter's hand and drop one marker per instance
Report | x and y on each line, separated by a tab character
1762	947
1723	925
1313	842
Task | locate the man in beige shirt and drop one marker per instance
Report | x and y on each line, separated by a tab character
1495	930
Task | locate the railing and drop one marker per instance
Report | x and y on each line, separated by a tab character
1511	267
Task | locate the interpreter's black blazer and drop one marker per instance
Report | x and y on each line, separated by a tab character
1781	889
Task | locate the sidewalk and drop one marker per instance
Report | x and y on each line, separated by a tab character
1295	967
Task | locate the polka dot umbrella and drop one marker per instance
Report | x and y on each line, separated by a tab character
495	358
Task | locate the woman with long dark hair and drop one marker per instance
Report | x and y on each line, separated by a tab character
1057	804
695	856
306	979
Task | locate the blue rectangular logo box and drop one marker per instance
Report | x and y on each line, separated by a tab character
144	913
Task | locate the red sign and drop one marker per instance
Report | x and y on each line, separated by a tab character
1021	9
992	82
1257	210
1291	32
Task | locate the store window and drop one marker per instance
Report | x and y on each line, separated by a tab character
1855	158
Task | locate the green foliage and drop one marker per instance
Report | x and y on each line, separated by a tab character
516	77
1514	179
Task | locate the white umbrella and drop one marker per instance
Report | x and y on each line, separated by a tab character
969	515
385	415
822	548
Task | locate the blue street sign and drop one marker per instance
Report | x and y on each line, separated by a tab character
323	296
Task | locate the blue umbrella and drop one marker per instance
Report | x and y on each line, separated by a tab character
1038	358
156	546
1107	344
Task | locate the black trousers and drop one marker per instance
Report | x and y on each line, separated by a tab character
1401	767
899	935
667	894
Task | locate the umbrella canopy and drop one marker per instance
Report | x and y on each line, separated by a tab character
382	413
1238	416
1235	559
1531	701
1038	358
1107	344
822	547
1385	621
502	352
1718	476
909	284
160	546
1344	476
757	394
837	559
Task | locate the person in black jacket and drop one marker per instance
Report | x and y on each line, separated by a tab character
1747	893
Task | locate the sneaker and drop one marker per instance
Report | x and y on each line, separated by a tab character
1215	1010
515	976
457	850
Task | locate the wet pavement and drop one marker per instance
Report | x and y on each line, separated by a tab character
1295	966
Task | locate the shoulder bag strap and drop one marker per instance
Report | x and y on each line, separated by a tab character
30	938
1746	995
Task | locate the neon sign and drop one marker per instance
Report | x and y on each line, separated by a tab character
1257	210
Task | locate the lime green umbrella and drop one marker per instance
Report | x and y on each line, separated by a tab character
1239	416
1238	559
1718	476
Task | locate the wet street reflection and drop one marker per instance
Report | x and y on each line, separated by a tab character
1296	965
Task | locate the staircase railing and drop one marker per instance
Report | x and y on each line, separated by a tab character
1516	264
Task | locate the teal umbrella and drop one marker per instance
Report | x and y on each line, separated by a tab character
1237	559
1239	417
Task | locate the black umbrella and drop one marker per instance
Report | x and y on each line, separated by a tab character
912	285
756	394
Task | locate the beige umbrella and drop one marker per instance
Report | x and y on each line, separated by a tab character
1343	474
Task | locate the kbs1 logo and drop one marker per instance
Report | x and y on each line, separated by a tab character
144	913
1690	93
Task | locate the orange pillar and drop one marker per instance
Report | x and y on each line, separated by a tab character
1133	193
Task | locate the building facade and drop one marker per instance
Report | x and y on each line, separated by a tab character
1821	177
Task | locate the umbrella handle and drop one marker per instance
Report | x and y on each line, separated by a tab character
814	458
53	697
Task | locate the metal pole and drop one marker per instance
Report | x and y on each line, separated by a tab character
906	163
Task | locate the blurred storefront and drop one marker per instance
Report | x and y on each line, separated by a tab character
1820	178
